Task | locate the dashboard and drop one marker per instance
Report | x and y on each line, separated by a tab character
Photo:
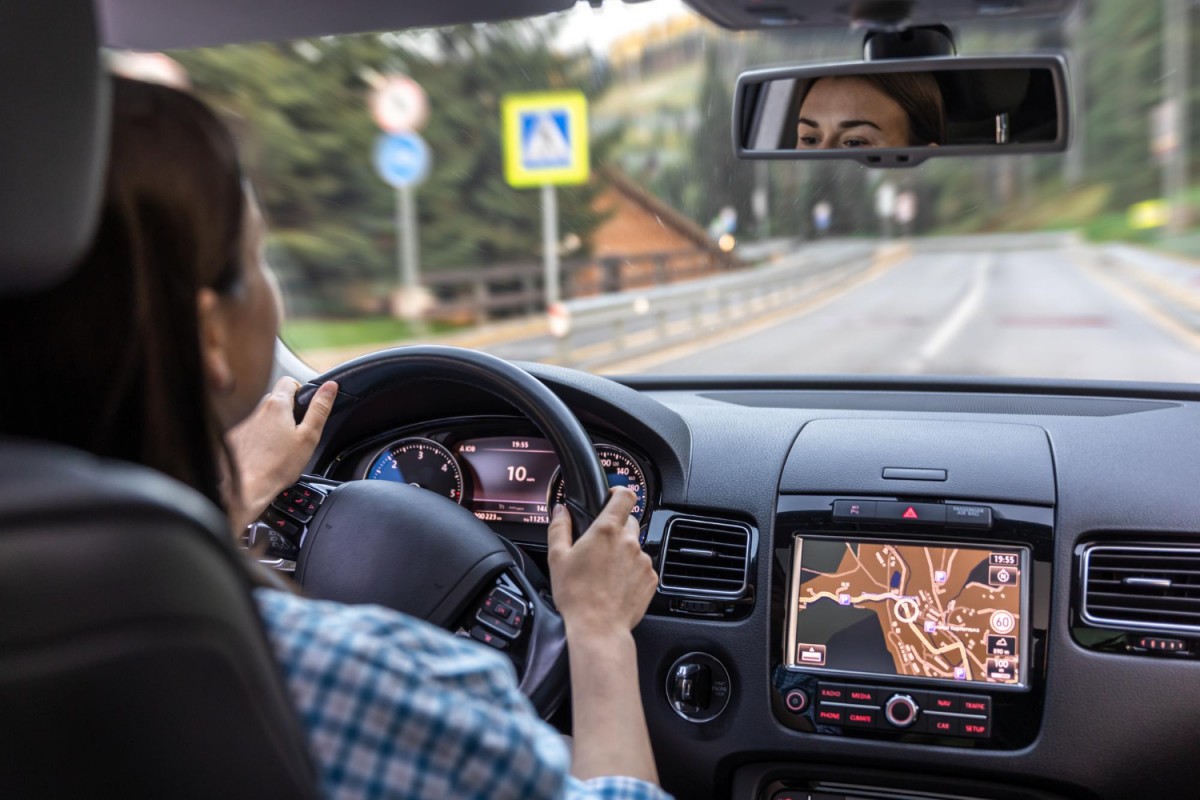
870	588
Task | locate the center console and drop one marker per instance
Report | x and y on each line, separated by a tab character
912	620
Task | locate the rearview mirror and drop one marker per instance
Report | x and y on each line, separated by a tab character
900	112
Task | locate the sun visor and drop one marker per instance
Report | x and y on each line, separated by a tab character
54	101
158	25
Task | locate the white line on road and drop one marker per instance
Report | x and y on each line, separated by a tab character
967	308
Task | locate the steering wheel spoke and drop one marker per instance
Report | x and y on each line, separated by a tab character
278	533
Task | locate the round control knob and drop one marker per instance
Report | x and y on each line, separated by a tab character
901	710
796	701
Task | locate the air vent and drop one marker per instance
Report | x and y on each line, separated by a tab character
705	557
1142	588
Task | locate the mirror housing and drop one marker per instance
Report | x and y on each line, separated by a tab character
994	105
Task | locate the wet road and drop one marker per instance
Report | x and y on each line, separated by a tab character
1066	312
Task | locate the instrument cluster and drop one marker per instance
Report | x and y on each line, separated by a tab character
503	472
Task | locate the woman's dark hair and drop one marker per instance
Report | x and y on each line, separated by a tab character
920	96
110	360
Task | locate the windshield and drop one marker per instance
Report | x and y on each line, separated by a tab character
564	190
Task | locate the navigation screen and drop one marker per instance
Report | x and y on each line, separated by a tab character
944	612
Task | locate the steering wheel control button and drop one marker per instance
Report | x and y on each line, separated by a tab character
698	687
481	634
796	701
299	502
503	613
901	711
280	524
280	547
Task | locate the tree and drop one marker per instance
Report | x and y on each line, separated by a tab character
300	111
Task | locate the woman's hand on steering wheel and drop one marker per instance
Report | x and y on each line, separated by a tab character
604	582
270	449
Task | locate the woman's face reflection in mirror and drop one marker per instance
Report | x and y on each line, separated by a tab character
899	110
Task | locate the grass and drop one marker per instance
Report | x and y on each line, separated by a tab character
316	334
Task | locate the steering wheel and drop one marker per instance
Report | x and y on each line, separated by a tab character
409	549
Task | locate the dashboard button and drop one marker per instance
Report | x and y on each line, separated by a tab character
831	715
944	702
962	516
865	717
977	704
943	725
976	728
833	692
911	513
796	701
854	509
867	695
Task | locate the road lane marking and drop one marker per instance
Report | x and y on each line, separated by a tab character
883	263
1085	261
952	326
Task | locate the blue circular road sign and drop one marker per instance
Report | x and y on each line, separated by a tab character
402	159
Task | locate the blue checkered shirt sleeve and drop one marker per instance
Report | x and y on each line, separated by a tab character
396	708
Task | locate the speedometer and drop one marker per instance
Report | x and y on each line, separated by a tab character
419	462
621	469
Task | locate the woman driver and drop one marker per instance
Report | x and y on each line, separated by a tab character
884	110
161	342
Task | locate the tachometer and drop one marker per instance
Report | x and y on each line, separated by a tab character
419	462
621	469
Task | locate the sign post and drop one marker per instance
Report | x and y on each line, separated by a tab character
401	157
550	243
546	145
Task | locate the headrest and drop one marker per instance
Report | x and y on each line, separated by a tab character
54	103
979	95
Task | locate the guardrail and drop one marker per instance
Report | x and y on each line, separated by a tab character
479	294
595	331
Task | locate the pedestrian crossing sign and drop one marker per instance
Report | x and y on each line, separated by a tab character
545	138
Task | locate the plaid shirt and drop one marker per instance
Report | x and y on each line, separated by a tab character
397	708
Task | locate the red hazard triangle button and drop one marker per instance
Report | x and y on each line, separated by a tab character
910	513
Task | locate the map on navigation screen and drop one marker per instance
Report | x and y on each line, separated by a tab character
934	612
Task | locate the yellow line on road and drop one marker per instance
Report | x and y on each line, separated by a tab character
1085	260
